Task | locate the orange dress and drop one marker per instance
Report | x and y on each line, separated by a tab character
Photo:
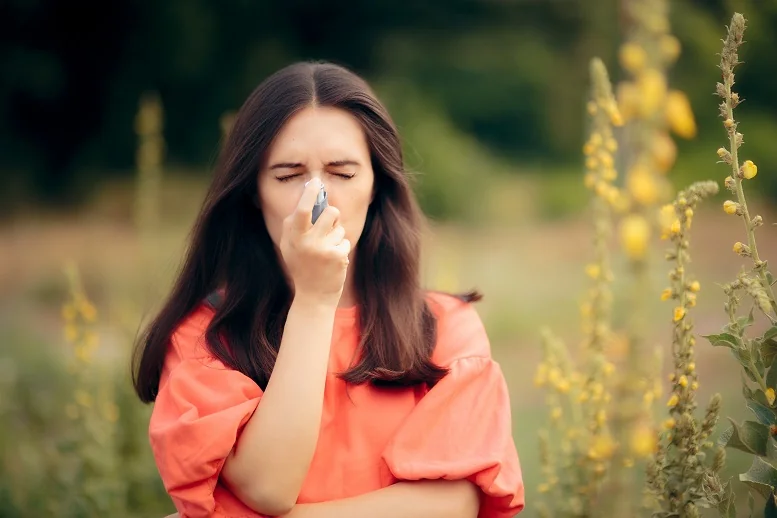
370	438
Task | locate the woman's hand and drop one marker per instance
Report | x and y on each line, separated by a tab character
316	256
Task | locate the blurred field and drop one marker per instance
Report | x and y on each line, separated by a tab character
529	267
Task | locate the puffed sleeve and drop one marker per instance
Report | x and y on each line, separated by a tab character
199	411
461	428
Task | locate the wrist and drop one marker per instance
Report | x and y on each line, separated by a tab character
316	302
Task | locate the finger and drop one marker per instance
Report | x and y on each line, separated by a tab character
344	247
326	221
304	211
335	236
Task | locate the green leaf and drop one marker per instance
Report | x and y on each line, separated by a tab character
751	437
723	340
745	322
768	349
770	278
761	476
763	413
771	377
770	333
758	360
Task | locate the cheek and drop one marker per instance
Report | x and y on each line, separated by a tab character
276	206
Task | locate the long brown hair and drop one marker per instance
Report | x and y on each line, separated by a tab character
231	247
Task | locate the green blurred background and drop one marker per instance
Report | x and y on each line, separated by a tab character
489	96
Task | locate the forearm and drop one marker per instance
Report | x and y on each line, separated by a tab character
274	451
422	499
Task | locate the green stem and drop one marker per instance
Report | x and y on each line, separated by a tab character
742	202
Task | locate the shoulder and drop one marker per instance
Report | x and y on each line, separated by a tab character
460	330
188	340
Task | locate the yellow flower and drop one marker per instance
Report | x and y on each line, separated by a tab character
770	396
738	247
749	169
679	115
730	207
670	423
595	139
642	187
563	386
673	401
605	159
666	217
728	123
683	381
675	228
609	174
591	162
71	332
588	149
695	286
593	271
611	144
632	57
670	47
691	367
679	313
722	152
691	299
589	180
643	441
652	89
666	294
695	385
68	312
664	152
555	414
635	234
628	99
608	368
603	447
88	311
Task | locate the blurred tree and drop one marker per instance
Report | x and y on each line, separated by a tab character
510	72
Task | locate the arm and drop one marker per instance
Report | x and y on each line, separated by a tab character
269	462
418	499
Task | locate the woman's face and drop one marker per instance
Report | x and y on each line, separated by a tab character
322	142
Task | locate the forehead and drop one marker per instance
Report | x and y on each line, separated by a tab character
319	130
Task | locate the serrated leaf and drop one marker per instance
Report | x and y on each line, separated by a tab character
723	340
751	437
761	476
763	413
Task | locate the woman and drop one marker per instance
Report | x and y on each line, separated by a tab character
299	369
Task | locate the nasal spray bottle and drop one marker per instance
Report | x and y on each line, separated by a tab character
321	204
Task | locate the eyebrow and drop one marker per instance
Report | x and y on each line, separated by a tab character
295	165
